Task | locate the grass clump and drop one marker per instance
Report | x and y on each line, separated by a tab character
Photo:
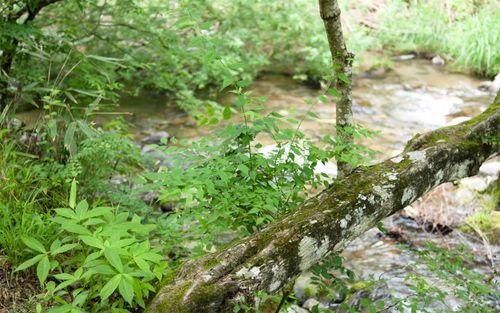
466	33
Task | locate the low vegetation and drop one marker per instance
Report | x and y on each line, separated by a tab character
95	245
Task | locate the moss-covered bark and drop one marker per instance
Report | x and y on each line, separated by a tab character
327	222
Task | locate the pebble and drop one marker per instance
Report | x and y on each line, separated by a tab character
155	138
490	168
437	60
492	86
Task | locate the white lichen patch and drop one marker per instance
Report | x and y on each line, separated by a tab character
279	276
409	195
371	199
311	251
460	170
360	211
397	159
206	277
392	176
439	178
343	223
248	273
382	192
416	156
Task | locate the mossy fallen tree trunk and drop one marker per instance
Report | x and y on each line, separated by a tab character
327	222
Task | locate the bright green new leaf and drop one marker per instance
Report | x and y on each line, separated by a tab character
114	259
34	244
110	286
29	263
126	290
226	114
92	241
42	269
72	195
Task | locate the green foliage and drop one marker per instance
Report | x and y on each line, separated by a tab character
102	260
229	184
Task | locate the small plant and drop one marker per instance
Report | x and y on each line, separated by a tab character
102	261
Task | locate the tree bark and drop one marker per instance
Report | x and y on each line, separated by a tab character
329	221
342	77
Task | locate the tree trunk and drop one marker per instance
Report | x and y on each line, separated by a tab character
342	77
329	221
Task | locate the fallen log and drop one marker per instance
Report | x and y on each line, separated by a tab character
327	222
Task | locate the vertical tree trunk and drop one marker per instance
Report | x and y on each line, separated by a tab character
342	75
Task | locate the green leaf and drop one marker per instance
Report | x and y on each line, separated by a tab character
334	92
243	83
343	78
33	244
114	258
323	99
99	211
64	276
42	269
75	228
68	213
72	195
29	263
84	127
126	290
312	114
226	114
63	248
244	169
69	138
110	287
92	241
81	209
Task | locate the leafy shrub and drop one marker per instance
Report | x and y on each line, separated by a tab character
229	184
103	260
